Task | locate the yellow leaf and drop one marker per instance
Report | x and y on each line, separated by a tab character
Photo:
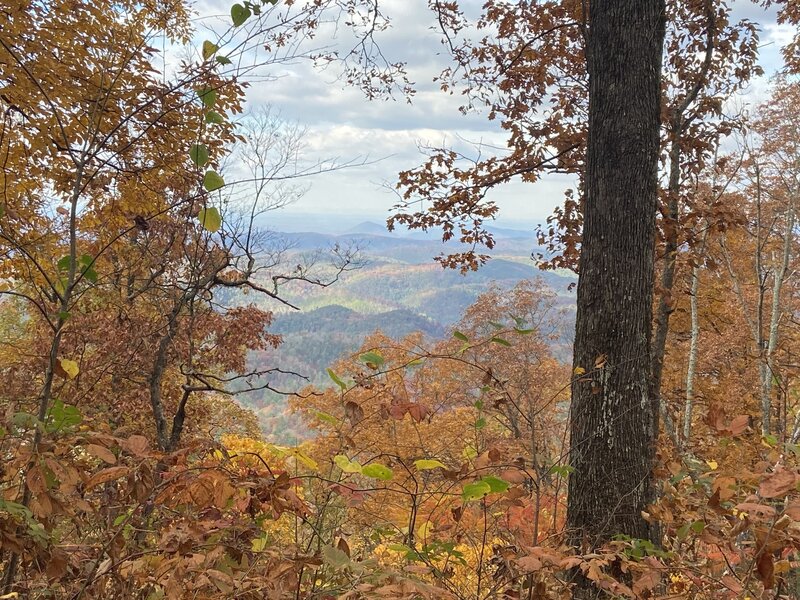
67	368
304	458
712	464
426	464
424	531
210	219
579	371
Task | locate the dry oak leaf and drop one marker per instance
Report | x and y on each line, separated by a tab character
102	453
137	445
778	484
106	475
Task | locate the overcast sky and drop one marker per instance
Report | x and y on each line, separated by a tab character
342	124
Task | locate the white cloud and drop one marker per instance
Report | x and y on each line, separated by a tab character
343	124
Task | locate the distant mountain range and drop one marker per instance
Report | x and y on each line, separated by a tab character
398	290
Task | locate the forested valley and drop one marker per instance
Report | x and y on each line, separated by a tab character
196	405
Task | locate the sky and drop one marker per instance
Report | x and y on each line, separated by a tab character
342	125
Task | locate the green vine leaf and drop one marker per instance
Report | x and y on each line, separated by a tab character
239	14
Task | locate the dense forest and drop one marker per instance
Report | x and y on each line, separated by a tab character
627	425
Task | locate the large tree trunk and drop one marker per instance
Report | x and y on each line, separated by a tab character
614	420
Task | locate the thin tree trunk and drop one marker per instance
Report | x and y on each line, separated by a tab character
693	348
614	418
768	361
678	124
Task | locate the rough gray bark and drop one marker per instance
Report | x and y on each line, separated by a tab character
614	418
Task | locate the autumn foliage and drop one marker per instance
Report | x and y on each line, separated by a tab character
437	468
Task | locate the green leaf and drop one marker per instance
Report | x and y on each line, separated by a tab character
63	263
697	526
223	60
480	423
469	452
501	341
377	471
239	14
23	420
426	464
62	416
460	336
199	154
336	379
326	418
524	331
416	362
335	557
90	275
496	325
562	470
259	544
346	465
212	181
496	485
207	96
209	48
475	491
214	118
210	219
372	359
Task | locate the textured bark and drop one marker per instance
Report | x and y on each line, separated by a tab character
614	418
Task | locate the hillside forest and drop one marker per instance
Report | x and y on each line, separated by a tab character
195	406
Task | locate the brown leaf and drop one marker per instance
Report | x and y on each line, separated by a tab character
102	453
713	501
417	411
766	570
57	565
739	424
353	412
733	584
137	445
726	487
398	411
778	484
104	476
529	563
752	508
648	581
343	546
793	510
